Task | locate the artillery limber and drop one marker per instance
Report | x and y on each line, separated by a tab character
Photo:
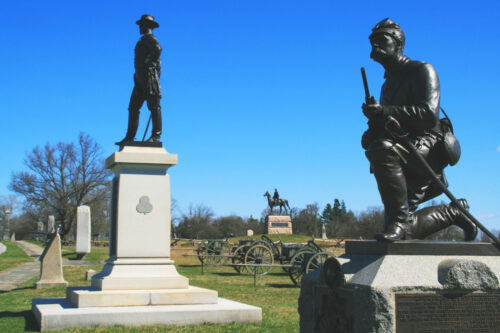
305	260
258	257
214	252
249	254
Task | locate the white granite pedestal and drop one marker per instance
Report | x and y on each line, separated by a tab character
139	284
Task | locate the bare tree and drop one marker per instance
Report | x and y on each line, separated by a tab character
62	177
197	223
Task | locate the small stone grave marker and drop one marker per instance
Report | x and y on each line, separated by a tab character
82	231
51	272
51	224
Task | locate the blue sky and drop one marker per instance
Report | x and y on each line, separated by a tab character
256	94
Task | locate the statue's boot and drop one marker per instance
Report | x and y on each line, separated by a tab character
393	191
433	219
133	123
156	133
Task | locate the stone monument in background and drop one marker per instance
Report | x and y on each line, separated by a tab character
275	222
139	284
83	231
51	224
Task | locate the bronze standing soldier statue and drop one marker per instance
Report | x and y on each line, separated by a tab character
147	81
410	96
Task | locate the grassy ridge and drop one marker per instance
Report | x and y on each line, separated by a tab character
13	257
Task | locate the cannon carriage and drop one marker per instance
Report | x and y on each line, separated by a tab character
258	257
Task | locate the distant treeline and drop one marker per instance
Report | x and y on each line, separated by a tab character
200	223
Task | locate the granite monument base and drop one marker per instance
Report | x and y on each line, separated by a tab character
281	224
410	286
139	284
58	314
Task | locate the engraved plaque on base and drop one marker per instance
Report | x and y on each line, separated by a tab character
448	312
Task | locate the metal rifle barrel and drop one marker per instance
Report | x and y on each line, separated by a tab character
450	195
365	85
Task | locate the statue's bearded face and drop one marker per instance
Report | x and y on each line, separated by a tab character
384	48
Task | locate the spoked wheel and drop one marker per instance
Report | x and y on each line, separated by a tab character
216	252
239	257
271	245
259	255
298	262
316	261
201	251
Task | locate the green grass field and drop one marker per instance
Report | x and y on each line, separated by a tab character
13	257
274	293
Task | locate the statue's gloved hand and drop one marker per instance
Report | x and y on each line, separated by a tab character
372	109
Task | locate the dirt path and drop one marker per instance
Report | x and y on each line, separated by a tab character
11	278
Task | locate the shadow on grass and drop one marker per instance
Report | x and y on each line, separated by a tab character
30	323
24	288
189	265
282	285
15	289
225	274
73	256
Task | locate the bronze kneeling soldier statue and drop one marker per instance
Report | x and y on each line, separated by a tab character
410	96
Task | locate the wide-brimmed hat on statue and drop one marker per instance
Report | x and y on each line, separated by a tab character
148	20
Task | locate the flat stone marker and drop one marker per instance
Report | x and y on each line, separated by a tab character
51	272
51	223
83	231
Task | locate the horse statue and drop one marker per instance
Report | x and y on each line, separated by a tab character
282	203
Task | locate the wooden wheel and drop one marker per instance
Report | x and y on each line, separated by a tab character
216	250
311	244
271	245
259	254
316	261
298	262
239	257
